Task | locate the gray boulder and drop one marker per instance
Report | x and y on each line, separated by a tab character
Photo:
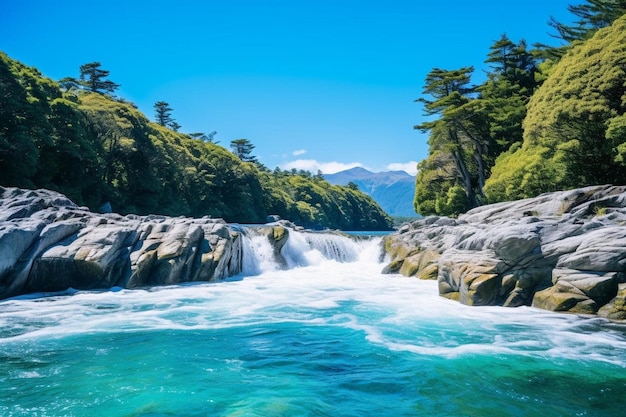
563	251
48	243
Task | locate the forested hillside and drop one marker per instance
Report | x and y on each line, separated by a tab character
546	119
76	137
575	129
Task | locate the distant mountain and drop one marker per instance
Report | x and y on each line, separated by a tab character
392	190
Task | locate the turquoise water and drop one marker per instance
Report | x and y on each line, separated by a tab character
326	339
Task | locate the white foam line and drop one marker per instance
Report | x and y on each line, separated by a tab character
354	296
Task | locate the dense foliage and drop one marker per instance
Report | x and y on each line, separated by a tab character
312	201
575	130
547	119
77	139
473	125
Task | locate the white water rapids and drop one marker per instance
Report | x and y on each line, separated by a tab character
307	249
324	335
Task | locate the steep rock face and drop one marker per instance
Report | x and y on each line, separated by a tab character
50	244
563	251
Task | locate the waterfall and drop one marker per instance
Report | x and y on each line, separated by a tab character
311	248
304	248
258	254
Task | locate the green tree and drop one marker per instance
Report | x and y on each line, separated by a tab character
590	16
471	126
460	132
243	149
93	78
43	141
163	113
573	133
437	174
504	96
20	128
512	62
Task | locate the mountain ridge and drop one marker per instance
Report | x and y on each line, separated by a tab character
392	190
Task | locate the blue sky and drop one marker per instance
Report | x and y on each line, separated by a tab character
312	84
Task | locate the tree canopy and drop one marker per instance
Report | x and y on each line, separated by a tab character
575	128
98	149
163	115
470	125
453	136
93	78
243	149
544	119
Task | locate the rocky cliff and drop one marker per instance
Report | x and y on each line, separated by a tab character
562	251
48	243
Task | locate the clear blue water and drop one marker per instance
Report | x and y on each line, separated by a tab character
326	339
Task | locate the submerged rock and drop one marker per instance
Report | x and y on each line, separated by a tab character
48	243
563	251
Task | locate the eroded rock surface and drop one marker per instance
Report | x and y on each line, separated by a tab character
563	251
48	243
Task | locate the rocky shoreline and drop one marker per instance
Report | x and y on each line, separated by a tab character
49	244
562	251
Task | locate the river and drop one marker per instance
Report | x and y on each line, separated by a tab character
328	336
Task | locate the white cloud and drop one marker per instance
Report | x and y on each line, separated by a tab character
409	167
313	166
299	152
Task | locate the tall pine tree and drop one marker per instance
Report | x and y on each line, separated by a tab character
243	149
459	135
163	113
93	78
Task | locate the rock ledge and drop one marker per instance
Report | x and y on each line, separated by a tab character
562	251
48	243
